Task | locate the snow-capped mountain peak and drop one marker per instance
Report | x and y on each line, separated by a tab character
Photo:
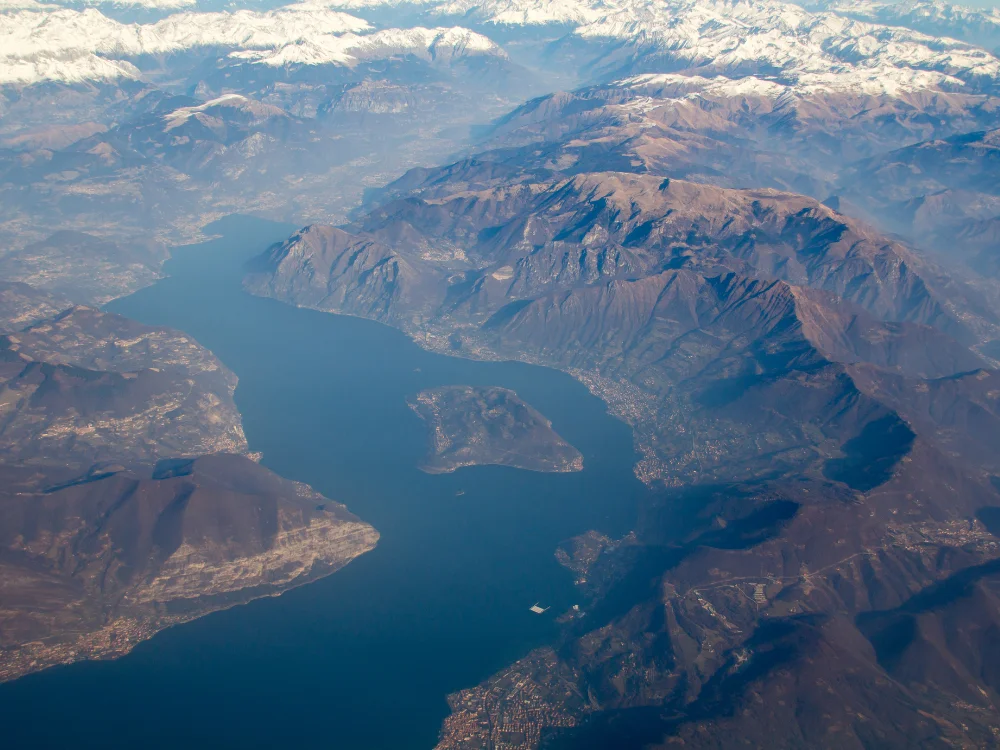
441	44
769	39
74	45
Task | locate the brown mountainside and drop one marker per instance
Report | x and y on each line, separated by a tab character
804	398
94	566
113	522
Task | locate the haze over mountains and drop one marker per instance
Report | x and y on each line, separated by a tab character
766	234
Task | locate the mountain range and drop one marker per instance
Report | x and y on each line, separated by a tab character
813	399
766	234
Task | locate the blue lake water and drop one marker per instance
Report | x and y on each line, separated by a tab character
363	658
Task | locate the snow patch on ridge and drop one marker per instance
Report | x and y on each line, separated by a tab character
793	44
783	37
527	12
440	44
179	116
764	39
71	45
878	82
143	4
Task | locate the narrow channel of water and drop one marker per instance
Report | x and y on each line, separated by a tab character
365	657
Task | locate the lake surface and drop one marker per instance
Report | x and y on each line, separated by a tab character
363	658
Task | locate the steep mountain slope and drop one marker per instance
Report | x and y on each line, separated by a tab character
656	292
765	613
114	524
93	567
521	240
820	442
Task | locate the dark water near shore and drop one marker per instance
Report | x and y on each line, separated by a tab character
365	657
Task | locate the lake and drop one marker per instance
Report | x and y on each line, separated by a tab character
363	658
